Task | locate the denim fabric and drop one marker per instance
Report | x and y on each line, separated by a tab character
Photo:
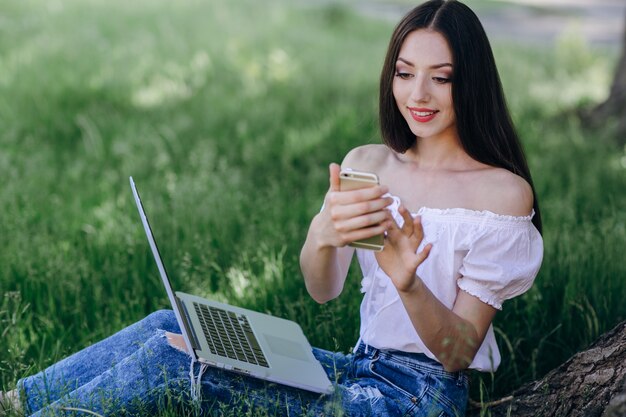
136	371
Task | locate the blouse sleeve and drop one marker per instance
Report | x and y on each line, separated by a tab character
502	263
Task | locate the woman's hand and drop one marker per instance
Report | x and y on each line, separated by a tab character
352	215
347	216
400	259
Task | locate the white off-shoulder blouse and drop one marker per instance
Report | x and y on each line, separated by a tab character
492	257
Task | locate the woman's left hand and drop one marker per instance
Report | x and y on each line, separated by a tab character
400	259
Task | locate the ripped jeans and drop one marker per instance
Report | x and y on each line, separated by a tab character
136	372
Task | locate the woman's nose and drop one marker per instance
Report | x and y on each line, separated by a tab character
420	90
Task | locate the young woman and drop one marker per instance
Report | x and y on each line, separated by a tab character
462	235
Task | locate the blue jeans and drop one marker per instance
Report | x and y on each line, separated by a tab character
136	371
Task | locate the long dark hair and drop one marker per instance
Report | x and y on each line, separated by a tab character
483	121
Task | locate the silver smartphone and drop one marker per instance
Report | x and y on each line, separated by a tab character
354	180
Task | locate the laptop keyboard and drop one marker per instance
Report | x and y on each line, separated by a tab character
230	335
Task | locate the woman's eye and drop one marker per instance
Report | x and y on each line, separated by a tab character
441	80
403	75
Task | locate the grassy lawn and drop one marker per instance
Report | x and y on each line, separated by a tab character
227	114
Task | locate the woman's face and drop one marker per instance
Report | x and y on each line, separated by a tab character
422	85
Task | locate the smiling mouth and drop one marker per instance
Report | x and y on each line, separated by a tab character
423	116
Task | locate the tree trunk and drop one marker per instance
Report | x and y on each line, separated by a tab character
615	106
591	383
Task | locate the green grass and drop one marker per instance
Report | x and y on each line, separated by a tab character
227	114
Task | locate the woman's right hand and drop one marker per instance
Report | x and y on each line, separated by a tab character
352	215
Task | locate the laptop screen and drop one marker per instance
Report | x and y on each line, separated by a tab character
182	323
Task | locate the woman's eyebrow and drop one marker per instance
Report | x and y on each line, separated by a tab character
435	66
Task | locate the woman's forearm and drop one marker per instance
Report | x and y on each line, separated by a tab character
324	267
451	338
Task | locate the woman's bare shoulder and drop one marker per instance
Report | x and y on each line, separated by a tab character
370	157
504	192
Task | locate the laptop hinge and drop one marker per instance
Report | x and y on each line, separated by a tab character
186	320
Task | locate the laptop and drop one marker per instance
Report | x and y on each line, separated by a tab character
238	339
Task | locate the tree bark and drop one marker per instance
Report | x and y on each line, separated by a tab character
591	383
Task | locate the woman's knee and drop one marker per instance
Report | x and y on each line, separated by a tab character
163	320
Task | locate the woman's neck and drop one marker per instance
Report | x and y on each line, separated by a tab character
437	153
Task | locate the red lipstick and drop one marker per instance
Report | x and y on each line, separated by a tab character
422	114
